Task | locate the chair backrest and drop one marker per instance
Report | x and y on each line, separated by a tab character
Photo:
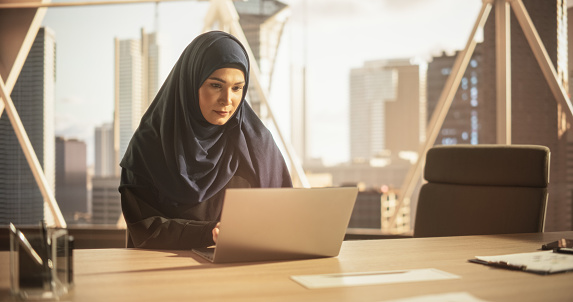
483	189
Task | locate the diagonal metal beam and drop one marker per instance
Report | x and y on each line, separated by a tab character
12	5
503	72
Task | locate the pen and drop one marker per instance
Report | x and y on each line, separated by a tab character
364	274
563	250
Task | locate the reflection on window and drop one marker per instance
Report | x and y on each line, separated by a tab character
474	125
449	141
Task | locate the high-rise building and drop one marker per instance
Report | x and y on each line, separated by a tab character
21	201
71	178
568	126
104	153
262	22
370	87
387	108
136	84
405	118
464	122
387	126
150	59
367	210
106	200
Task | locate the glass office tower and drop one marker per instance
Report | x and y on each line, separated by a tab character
21	201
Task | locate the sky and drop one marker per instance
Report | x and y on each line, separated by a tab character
339	35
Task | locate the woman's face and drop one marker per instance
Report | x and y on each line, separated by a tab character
221	94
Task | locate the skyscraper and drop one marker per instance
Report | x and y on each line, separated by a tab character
21	201
387	108
136	83
104	157
106	200
71	178
466	121
405	116
262	23
370	87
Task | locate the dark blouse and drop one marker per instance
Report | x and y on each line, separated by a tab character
155	225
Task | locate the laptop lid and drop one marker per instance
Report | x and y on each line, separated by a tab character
260	224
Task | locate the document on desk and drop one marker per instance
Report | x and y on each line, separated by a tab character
371	278
545	262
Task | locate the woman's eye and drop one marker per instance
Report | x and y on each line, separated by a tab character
215	85
237	88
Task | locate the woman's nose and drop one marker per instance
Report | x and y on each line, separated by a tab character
226	97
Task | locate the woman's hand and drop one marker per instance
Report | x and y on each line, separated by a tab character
216	232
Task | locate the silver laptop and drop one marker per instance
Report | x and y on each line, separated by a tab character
281	224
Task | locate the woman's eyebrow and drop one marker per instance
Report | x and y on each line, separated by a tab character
223	81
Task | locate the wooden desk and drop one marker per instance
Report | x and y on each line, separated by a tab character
152	275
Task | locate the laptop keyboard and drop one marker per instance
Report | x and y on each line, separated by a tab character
206	253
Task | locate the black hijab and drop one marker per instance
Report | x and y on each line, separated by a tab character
184	156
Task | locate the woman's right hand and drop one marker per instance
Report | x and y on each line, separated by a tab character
216	232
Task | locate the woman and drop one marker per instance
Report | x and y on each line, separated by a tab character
198	137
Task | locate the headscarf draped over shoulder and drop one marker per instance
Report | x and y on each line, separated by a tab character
187	159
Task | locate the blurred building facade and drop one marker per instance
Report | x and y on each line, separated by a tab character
464	122
367	210
104	161
106	200
71	179
21	201
136	84
387	125
569	133
387	108
262	22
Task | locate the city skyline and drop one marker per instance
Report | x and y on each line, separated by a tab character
543	134
84	92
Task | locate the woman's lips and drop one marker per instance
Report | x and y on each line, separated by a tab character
222	113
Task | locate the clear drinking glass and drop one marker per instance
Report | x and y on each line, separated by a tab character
39	264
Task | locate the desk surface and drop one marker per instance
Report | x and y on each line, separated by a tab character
155	275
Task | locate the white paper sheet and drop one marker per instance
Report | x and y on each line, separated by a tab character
543	262
446	297
371	278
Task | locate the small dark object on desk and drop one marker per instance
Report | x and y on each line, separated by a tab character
563	250
568	243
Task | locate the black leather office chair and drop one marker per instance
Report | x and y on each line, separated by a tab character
483	189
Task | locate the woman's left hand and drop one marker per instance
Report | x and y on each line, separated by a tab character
216	232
